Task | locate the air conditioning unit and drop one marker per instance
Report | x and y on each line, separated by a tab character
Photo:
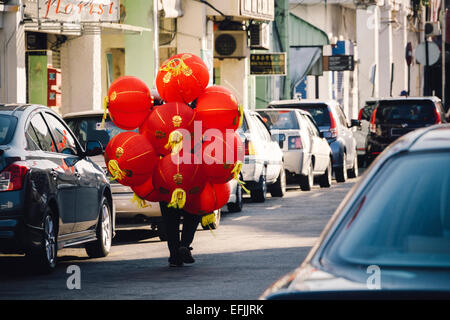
432	28
230	44
260	36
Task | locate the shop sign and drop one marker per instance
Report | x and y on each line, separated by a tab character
73	10
338	63
268	64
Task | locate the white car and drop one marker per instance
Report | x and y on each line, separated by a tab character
263	168
306	153
361	132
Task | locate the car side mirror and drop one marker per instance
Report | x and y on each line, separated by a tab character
355	123
93	148
321	134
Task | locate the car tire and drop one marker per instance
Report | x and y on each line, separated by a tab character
354	171
259	194
214	225
44	257
341	172
306	182
236	206
102	246
278	189
326	178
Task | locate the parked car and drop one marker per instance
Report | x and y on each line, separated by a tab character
333	124
87	126
306	153
52	195
263	168
390	233
362	131
394	117
235	203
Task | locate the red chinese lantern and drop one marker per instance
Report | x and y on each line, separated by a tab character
218	108
148	192
129	102
130	158
182	78
178	176
213	196
222	157
163	121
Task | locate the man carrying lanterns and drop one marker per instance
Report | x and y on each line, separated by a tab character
166	162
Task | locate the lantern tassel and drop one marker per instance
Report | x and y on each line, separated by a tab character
241	115
116	172
175	142
207	220
236	171
105	113
140	203
178	199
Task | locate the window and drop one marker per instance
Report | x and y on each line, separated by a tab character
42	134
7	128
262	129
312	126
341	116
65	142
32	139
279	119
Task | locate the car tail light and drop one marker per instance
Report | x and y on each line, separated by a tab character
333	132
295	142
360	114
249	148
11	178
373	127
437	115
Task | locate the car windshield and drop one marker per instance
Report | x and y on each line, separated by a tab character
319	112
89	128
402	218
7	127
415	111
279	119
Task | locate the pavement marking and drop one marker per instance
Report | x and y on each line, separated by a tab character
274	207
240	218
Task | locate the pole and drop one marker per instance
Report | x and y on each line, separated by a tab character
443	36
409	79
427	61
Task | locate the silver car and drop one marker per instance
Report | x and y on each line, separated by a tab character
361	132
306	153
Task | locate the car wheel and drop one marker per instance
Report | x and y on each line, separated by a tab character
214	225
306	182
325	179
44	257
237	206
278	189
259	194
341	172
353	172
101	247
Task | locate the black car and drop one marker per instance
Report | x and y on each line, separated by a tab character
394	117
390	236
52	195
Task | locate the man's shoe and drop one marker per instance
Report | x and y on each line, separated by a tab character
175	262
185	254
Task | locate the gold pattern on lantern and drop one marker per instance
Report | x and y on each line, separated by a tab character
178	178
177	121
167	77
119	152
113	96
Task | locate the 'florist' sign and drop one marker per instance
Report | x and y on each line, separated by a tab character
74	10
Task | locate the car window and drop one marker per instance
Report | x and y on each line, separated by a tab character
413	111
319	112
341	116
7	128
367	112
32	138
89	128
65	142
402	218
42	134
279	119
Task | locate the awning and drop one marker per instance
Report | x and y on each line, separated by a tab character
302	33
78	29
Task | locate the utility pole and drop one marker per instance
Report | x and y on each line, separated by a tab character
443	36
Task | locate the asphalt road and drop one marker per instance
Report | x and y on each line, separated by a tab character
238	261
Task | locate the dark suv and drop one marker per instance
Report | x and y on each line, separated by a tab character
52	195
394	117
333	125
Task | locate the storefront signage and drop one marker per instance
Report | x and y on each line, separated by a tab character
268	64
338	63
73	10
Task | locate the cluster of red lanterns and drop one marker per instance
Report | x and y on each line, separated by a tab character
186	150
